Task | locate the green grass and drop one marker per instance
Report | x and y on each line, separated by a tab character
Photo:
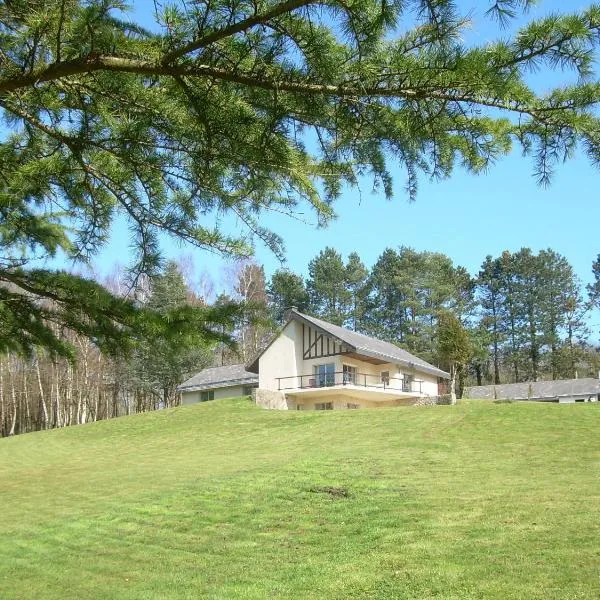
225	500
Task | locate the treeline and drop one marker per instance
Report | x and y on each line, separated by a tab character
525	315
42	391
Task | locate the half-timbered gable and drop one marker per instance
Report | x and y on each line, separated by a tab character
317	344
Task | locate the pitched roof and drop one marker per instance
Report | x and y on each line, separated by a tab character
218	377
535	389
364	344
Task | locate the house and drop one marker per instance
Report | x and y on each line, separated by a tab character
218	382
564	391
312	364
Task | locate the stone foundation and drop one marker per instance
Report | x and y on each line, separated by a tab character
432	400
270	399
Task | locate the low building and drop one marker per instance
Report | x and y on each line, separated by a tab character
215	383
315	365
561	390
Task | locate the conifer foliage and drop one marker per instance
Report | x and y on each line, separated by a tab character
207	113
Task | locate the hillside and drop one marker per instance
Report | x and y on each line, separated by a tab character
225	500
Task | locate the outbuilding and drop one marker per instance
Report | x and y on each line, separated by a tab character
215	383
564	391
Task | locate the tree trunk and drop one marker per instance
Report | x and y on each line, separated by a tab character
13	400
43	407
2	408
453	384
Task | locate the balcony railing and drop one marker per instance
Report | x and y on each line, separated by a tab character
344	378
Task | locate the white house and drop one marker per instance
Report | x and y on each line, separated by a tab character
312	364
218	382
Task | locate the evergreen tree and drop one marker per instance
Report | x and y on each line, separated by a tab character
407	292
356	279
490	291
202	114
454	347
385	316
159	364
285	290
326	285
560	302
479	337
512	313
593	288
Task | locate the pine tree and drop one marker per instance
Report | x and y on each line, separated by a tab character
203	116
560	303
326	286
286	290
490	292
407	292
593	288
356	279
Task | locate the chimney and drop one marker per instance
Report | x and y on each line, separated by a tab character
288	313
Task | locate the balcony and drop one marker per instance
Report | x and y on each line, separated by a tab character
346	380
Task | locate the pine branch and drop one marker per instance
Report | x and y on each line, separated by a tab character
244	25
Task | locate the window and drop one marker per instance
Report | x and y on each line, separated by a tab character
385	377
207	395
324	406
407	383
350	405
299	406
349	374
325	374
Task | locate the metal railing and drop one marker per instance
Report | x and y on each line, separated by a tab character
345	378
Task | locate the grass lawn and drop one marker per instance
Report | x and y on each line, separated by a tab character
226	500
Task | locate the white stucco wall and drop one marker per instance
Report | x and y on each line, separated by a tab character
280	359
233	391
284	359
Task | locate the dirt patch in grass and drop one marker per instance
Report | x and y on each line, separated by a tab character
333	492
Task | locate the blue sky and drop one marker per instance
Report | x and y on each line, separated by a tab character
465	217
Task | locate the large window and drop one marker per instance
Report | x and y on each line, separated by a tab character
325	374
407	383
207	395
349	374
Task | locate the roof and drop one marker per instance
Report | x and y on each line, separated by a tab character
535	389
362	344
218	377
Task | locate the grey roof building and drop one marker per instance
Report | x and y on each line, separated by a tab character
219	377
562	390
363	345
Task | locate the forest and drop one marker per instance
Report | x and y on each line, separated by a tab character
526	317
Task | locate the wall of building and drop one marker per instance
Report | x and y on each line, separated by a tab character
279	359
233	391
284	359
578	398
341	402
